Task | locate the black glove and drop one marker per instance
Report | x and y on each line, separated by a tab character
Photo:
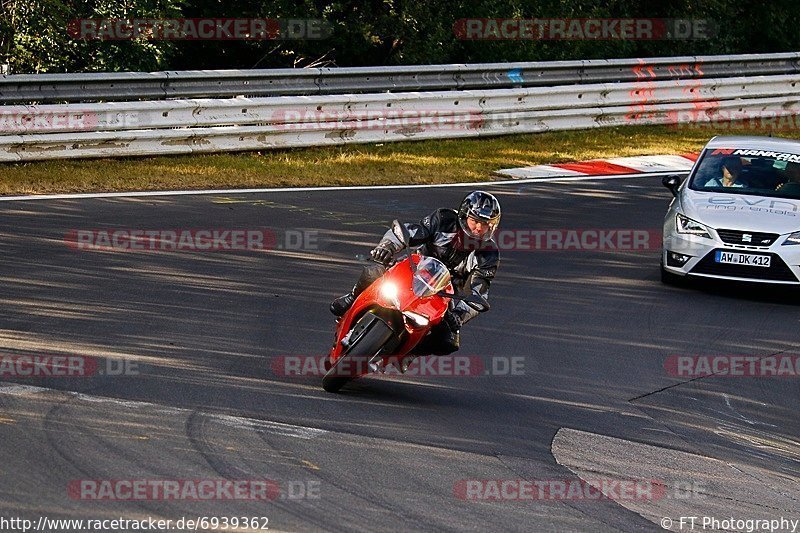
453	320
382	254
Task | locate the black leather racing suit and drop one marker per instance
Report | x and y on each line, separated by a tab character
472	266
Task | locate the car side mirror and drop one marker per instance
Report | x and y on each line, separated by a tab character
672	182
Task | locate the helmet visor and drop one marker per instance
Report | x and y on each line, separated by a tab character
479	228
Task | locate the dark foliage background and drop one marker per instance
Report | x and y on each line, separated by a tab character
34	38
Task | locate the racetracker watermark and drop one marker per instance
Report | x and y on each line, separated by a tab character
192	489
149	523
64	366
204	240
623	240
739	366
304	119
558	489
722	119
47	120
569	29
428	366
199	29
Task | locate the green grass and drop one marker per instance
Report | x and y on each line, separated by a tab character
443	161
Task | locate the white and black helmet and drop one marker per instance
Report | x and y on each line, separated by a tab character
482	207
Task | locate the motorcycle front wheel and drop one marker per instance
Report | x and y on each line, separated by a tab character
358	355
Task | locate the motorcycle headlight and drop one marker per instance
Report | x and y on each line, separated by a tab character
688	226
389	293
416	318
794	238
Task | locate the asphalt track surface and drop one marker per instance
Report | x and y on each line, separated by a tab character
593	329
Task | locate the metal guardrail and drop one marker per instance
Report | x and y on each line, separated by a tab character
659	91
316	111
92	87
203	126
268	137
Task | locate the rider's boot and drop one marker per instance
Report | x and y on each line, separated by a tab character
368	275
341	304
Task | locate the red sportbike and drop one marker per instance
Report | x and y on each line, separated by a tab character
392	316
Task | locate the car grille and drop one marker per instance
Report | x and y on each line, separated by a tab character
777	271
747	238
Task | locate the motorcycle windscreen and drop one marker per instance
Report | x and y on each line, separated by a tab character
431	277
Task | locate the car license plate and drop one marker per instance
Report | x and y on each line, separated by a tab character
733	258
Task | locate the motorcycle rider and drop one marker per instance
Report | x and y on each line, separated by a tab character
463	241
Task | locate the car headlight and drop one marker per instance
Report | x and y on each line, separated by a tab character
389	293
688	226
417	319
794	238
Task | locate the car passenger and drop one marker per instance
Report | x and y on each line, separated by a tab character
792	173
730	172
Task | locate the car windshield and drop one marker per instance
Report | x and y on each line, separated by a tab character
431	277
756	172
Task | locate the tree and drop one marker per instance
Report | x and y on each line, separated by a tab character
34	36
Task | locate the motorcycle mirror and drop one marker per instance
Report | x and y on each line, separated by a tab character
401	232
477	302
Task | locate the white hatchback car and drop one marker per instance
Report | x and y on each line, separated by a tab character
737	215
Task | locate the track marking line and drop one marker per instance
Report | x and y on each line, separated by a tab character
309	464
238	422
477	184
